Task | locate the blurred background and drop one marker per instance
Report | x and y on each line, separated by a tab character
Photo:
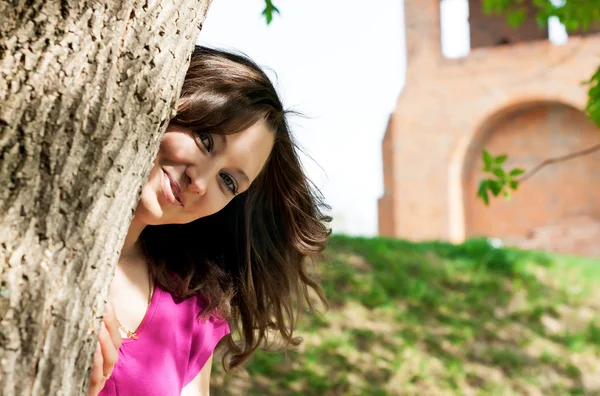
431	290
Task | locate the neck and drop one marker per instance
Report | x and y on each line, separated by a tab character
131	246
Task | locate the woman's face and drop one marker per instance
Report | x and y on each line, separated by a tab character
197	175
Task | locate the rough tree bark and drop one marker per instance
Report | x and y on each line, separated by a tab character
86	90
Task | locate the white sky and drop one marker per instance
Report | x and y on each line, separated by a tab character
341	64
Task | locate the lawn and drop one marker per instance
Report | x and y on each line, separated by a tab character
434	319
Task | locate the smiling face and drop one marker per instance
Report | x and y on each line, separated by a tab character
196	175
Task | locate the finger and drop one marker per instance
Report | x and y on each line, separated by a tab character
112	325
109	351
96	376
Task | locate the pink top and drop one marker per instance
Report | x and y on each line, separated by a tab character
172	347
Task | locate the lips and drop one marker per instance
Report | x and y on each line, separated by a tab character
172	190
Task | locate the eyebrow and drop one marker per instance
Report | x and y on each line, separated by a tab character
237	170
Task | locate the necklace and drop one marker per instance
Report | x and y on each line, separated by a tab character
132	334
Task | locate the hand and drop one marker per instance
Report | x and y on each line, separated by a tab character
107	351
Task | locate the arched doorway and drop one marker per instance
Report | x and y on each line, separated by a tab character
558	209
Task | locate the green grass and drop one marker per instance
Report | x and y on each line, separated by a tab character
436	318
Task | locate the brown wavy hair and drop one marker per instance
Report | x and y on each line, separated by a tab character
248	262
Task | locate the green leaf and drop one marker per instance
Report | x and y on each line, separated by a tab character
593	106
269	10
482	192
516	172
513	184
488	160
495	187
501	159
541	20
517	17
499	172
571	25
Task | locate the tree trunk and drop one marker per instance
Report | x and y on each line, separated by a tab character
86	91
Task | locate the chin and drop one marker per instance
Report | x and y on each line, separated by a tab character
146	215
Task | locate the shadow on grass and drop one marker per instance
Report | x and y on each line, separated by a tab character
464	317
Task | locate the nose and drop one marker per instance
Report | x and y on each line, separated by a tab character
197	183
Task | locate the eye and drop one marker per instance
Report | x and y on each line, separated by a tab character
206	140
229	183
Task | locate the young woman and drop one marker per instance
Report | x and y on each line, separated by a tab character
219	239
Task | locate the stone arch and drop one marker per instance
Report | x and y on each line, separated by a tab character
493	110
555	210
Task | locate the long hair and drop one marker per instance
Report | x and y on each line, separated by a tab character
249	261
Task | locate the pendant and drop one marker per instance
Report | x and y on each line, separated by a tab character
132	335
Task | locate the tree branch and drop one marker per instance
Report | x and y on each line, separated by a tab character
556	160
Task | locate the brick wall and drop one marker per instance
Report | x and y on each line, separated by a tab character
385	209
450	107
558	197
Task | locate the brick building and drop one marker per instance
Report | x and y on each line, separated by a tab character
516	94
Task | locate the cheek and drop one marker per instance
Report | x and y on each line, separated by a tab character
175	146
209	205
167	149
